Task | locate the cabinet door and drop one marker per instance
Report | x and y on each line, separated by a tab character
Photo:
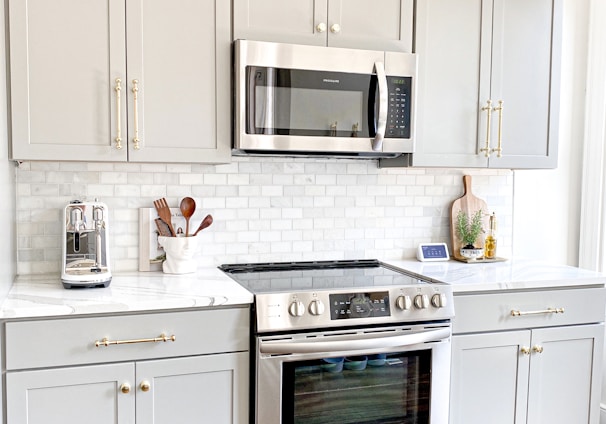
453	82
363	24
71	395
489	378
201	389
565	374
179	56
281	21
65	56
525	75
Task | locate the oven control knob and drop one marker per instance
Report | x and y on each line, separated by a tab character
316	307
403	302
296	309
421	301
438	300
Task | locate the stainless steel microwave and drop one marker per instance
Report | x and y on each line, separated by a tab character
297	100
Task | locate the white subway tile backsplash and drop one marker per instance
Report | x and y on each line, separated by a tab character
265	209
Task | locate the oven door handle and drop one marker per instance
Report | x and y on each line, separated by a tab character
354	343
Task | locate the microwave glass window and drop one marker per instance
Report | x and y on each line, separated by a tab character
312	103
307	109
380	388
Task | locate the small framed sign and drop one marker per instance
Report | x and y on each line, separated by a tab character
428	252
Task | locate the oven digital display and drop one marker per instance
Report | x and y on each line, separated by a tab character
359	305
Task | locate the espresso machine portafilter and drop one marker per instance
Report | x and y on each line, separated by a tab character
85	245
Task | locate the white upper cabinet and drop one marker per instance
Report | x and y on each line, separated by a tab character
362	24
488	79
72	97
178	51
64	57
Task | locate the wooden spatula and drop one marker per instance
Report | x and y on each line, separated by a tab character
164	212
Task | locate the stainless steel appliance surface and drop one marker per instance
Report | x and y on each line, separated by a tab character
85	261
298	100
347	342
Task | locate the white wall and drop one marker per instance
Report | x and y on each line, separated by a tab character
547	204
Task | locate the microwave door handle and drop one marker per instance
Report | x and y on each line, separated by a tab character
354	343
377	142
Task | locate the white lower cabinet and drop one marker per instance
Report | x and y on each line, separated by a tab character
542	370
199	389
71	395
201	377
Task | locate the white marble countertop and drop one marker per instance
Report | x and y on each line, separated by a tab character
44	295
512	274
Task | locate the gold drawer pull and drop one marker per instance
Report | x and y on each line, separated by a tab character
488	109
136	140
118	139
163	338
499	148
515	313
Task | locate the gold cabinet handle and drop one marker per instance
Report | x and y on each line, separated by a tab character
537	349
525	350
488	109
125	388
163	338
118	89
515	313
499	148
145	386
321	27
136	114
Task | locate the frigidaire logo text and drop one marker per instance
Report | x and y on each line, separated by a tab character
334	81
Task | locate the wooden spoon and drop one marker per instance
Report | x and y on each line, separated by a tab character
188	207
206	222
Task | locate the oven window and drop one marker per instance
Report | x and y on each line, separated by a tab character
393	388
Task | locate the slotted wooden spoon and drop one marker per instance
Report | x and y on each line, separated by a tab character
164	213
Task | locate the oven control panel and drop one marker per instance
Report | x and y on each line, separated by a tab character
359	305
336	308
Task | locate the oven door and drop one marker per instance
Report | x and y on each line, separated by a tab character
374	375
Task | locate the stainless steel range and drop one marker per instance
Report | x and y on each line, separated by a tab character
347	342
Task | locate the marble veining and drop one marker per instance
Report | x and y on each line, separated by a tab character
513	274
44	296
39	295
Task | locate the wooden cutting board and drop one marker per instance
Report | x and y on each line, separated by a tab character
469	204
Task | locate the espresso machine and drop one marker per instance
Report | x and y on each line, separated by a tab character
85	245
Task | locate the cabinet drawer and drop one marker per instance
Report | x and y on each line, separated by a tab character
493	312
44	343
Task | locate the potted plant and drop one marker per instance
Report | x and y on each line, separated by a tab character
468	229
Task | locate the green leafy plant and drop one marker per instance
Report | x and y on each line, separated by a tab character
468	230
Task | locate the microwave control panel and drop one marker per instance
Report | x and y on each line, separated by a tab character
398	113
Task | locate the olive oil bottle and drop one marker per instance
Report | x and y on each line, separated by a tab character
490	242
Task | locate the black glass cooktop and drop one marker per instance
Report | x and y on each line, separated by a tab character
300	276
